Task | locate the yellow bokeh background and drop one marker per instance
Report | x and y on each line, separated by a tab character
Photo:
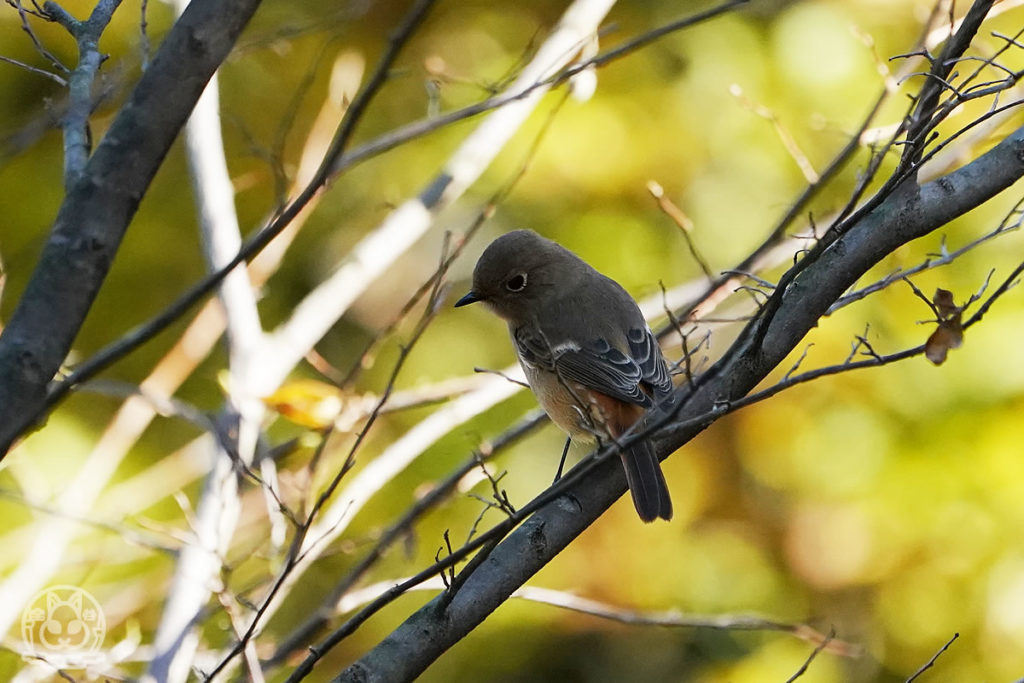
886	505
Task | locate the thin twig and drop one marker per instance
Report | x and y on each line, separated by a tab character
931	662
789	143
676	619
42	72
144	49
301	636
682	221
1008	224
27	28
505	376
814	653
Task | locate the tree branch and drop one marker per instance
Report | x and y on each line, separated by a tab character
77	138
199	562
904	216
99	206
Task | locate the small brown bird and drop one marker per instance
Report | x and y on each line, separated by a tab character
586	349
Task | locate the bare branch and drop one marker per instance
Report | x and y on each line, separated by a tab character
676	619
199	563
682	221
77	138
931	662
1010	223
593	488
99	206
27	28
941	67
788	142
301	636
814	653
42	72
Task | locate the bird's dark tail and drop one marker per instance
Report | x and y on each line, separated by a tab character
646	481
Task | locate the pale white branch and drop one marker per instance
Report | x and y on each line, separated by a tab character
199	563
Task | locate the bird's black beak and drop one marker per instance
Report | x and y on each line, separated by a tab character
470	298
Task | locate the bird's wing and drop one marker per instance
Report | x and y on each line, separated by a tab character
644	349
598	365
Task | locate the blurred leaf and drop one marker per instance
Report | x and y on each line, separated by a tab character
308	402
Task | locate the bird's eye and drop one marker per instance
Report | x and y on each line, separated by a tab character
516	283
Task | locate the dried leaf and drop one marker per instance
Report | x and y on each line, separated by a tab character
945	337
950	332
943	301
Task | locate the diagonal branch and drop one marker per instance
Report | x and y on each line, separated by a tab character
99	206
903	217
